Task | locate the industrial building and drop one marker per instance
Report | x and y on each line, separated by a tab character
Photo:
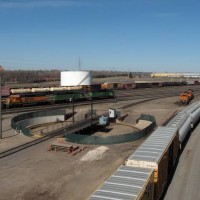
176	75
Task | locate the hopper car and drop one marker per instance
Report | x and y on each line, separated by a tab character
148	170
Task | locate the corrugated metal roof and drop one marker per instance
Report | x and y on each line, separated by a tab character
154	146
178	120
182	116
191	108
125	183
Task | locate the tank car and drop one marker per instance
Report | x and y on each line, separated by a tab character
20	90
40	90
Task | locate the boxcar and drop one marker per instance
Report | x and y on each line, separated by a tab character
183	122
158	152
143	85
95	87
107	86
116	86
129	85
127	183
5	91
119	86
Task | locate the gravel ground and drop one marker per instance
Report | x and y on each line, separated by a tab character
35	173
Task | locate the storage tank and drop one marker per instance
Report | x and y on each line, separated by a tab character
76	78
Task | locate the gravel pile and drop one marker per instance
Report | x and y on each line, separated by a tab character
95	154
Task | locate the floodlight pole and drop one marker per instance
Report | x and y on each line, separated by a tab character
73	109
0	112
72	105
91	112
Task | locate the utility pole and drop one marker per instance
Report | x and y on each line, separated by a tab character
79	64
73	109
0	112
72	104
91	113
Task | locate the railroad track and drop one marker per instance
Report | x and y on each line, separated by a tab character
122	95
73	127
85	123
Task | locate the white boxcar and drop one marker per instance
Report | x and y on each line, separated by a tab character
130	183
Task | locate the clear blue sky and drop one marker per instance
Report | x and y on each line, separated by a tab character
126	35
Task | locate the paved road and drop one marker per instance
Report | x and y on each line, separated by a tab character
186	181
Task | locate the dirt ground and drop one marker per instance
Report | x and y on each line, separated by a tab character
115	129
36	173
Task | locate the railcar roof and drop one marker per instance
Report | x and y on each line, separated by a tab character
155	145
125	183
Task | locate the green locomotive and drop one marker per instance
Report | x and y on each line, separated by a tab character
100	94
66	97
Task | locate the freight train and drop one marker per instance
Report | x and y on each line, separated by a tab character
38	98
100	86
147	171
51	95
140	84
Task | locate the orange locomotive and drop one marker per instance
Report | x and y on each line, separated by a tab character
186	97
18	100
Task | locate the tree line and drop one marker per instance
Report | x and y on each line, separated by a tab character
36	76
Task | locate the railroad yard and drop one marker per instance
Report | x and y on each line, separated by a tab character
100	100
36	173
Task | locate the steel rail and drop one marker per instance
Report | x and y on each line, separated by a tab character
162	91
73	127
